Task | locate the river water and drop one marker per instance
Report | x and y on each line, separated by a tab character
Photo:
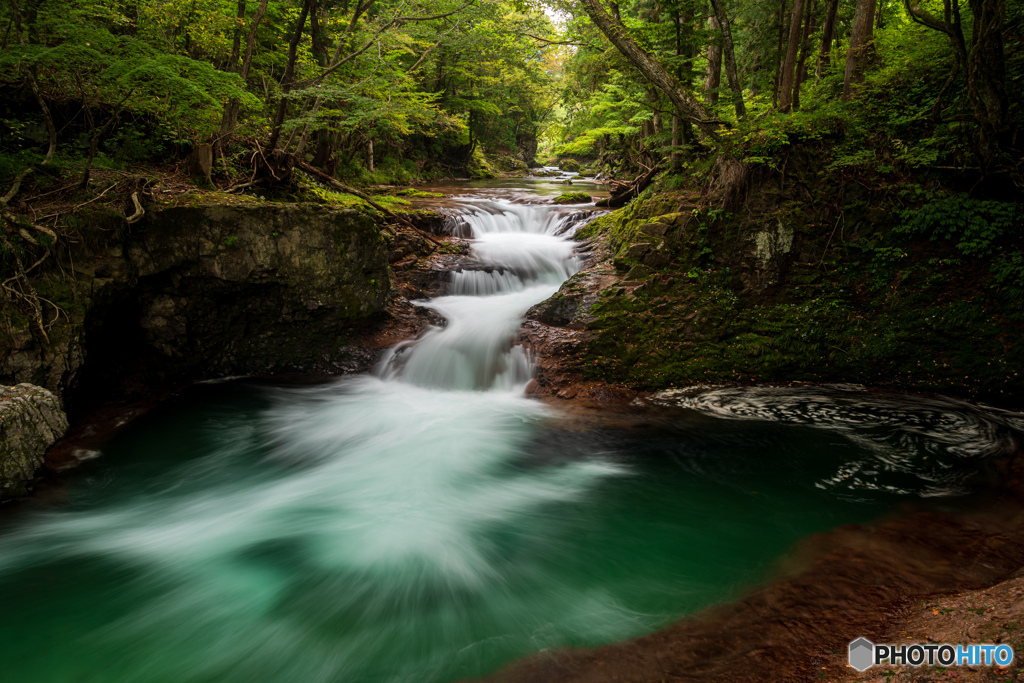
431	523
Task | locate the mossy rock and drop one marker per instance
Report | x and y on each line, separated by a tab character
570	165
573	198
479	166
510	164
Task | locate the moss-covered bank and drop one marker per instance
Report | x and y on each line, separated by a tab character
799	275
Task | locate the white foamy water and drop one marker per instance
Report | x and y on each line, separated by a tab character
526	262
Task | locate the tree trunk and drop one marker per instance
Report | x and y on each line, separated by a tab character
684	103
730	59
369	155
96	135
986	66
230	116
236	40
778	53
316	33
861	46
827	35
288	80
714	78
674	156
805	47
792	49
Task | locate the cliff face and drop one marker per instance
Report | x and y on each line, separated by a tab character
196	292
31	419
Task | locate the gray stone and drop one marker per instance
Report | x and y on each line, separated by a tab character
654	229
31	420
638	250
658	258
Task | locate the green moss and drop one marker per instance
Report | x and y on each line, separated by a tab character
573	198
479	167
454	248
342	200
419	194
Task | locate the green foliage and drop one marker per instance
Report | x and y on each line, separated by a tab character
1008	272
982	229
974	225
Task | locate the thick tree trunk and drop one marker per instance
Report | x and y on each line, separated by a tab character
827	36
316	32
983	62
861	46
236	40
730	59
684	103
792	49
714	78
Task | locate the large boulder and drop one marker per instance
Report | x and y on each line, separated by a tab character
31	420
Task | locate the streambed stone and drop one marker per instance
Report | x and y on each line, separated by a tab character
31	420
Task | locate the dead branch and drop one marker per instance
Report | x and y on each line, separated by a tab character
139	211
30	297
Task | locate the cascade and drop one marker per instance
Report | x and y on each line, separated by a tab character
524	254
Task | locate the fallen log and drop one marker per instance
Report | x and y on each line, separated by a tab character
622	193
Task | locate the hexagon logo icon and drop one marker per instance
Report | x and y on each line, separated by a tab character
862	654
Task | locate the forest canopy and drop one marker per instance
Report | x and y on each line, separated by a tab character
378	90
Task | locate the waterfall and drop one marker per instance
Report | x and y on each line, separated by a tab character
524	254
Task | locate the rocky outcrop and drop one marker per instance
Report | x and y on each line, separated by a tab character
206	291
31	419
570	305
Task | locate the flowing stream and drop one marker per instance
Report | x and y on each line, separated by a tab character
429	522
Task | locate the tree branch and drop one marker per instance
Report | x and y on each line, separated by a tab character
545	41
